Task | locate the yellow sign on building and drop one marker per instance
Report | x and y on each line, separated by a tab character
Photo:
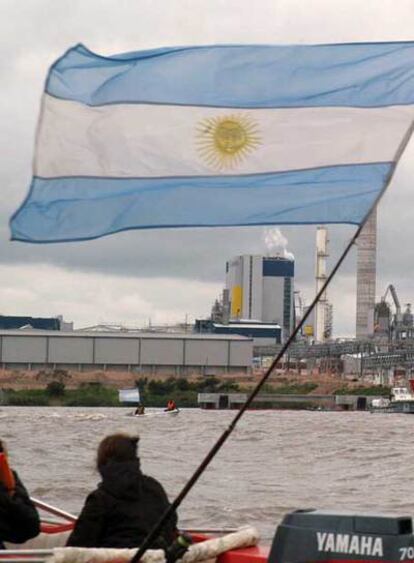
236	301
308	330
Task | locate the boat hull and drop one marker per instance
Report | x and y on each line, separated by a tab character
156	413
399	407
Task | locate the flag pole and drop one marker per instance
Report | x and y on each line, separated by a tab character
153	534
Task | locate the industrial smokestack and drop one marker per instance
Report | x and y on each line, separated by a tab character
321	306
366	277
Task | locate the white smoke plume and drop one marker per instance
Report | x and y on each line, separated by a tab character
276	243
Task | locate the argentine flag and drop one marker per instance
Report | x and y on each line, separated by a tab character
216	136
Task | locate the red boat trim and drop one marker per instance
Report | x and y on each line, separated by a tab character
245	555
48	528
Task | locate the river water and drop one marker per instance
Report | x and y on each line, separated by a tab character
274	462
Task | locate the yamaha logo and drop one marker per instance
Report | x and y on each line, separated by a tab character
350	544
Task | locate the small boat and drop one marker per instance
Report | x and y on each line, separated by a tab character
56	526
176	410
155	413
401	401
132	396
303	535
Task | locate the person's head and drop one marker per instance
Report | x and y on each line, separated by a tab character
117	447
3	447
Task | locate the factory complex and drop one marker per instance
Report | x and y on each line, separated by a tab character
254	316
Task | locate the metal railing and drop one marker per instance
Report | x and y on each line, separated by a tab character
301	350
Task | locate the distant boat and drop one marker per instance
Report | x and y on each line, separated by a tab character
129	395
132	396
156	413
401	401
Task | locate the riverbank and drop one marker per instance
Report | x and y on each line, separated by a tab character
70	388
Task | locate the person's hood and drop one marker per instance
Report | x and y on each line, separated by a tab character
122	479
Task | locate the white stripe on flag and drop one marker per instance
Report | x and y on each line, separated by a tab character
137	140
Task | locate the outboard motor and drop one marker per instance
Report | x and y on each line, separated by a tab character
316	535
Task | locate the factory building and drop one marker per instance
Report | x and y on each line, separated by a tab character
13	322
263	334
260	288
148	353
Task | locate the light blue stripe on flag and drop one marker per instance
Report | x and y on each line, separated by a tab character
248	76
85	208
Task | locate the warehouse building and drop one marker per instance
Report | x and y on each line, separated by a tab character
152	353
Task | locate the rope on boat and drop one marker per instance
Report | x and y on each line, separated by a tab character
209	549
102	555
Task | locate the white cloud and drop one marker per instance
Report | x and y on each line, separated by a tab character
88	299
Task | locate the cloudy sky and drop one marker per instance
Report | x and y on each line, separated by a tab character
164	276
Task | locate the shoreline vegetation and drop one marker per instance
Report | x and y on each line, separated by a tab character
58	388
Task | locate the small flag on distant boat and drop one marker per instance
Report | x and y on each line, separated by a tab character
216	136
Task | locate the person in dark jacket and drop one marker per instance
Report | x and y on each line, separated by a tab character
126	505
19	519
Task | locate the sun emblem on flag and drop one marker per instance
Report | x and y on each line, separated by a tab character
225	141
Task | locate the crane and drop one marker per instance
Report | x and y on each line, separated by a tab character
391	289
